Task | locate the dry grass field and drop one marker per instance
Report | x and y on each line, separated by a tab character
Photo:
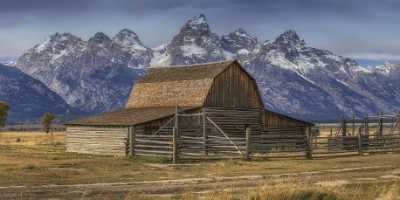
34	166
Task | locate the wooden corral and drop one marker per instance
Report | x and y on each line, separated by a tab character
195	111
371	134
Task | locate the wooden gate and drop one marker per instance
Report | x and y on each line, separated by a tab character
200	137
280	142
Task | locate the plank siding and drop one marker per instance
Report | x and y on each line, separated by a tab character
234	121
275	120
234	88
96	140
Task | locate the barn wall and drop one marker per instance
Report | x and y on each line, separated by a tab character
234	121
234	88
96	140
275	120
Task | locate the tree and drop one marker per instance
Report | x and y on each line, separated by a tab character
3	113
47	120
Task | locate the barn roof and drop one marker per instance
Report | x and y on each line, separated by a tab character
185	72
127	117
185	85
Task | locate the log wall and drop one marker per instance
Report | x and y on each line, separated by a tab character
96	140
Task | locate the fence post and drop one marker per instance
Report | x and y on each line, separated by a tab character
131	133
366	128
248	143
360	143
380	131
175	135
308	143
205	136
344	127
174	145
354	124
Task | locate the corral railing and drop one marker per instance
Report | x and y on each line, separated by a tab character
373	134
280	142
159	143
200	136
353	145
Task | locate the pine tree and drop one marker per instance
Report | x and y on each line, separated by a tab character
47	120
3	113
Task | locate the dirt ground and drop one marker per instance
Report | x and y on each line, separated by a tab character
35	166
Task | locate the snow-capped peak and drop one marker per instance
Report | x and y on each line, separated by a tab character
239	41
197	20
291	38
387	68
58	41
99	41
100	38
197	23
243	33
129	40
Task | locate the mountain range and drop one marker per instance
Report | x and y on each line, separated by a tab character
96	75
28	98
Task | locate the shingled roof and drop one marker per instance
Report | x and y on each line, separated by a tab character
128	117
186	85
185	72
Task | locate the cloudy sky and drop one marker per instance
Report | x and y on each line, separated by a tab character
362	29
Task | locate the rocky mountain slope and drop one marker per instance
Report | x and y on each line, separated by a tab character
296	79
28	98
94	75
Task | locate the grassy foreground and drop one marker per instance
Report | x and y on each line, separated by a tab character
31	159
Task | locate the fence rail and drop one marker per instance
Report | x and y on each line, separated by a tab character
204	138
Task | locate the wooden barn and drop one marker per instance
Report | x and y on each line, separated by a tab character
189	111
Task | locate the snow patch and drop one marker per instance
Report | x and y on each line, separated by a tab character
160	57
243	51
193	50
228	55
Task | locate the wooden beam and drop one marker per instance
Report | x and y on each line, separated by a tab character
248	143
354	125
131	132
344	127
360	143
366	126
308	143
175	146
380	130
205	136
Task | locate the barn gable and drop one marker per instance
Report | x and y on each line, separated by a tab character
234	88
177	85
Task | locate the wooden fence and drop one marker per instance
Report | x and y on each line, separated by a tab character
197	136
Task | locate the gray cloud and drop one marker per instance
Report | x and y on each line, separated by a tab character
21	6
349	27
